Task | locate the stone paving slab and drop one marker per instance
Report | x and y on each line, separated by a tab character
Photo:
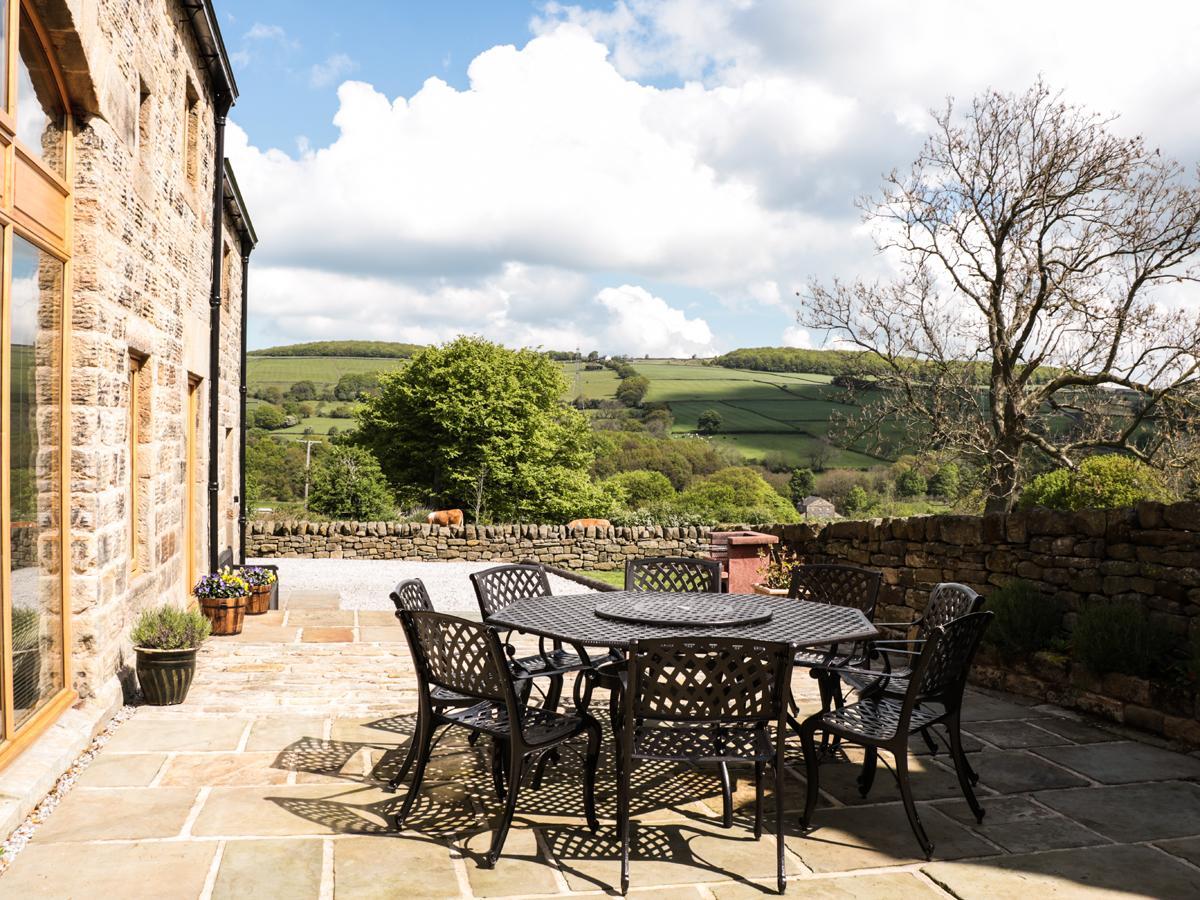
900	886
1096	872
122	770
221	769
1019	771
283	868
119	814
134	871
1013	734
384	868
872	836
178	734
283	810
1135	812
1019	825
1124	762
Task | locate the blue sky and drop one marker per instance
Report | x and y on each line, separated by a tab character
637	176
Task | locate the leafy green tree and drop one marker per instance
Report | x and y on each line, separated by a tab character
802	484
472	421
736	494
347	483
354	384
709	422
911	483
680	459
857	501
1110	481
641	488
267	416
275	468
946	482
632	390
303	390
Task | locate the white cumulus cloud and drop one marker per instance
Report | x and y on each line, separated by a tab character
643	324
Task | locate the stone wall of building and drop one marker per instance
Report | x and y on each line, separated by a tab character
1149	555
143	189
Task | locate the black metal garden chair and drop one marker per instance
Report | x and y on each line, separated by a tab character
468	659
411	596
674	575
705	700
893	656
500	587
879	720
837	585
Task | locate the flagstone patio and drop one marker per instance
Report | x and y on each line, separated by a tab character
267	783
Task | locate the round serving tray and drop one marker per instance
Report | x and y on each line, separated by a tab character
684	611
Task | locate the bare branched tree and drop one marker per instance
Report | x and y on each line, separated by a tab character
1032	244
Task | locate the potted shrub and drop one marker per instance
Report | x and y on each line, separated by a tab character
26	657
261	581
222	597
775	571
166	640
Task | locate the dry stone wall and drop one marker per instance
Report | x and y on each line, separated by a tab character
1148	555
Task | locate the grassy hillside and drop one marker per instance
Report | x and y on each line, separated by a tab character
373	349
284	371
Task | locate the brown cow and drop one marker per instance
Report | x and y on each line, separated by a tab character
589	523
445	517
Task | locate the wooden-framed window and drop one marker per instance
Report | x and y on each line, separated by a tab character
35	280
193	528
191	134
139	420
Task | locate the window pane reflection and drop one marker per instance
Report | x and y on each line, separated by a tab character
40	116
35	308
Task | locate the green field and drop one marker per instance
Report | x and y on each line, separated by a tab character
284	371
762	412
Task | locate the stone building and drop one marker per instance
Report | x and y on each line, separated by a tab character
124	245
813	507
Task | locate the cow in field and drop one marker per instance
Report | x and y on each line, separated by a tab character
445	517
589	523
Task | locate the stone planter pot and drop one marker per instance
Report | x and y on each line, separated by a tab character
165	675
225	613
769	591
260	600
27	677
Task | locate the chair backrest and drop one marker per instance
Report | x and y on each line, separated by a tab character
940	672
707	680
673	574
947	601
502	586
458	654
411	595
838	586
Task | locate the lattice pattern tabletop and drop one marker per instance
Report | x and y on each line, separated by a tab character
572	617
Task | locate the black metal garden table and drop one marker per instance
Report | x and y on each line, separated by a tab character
616	619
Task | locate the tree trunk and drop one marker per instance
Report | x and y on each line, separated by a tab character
1002	478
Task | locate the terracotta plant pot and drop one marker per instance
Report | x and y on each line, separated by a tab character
166	675
260	600
761	588
225	613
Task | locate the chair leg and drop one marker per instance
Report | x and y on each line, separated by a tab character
424	741
589	776
409	756
726	796
516	762
553	694
963	769
758	798
866	777
812	769
780	873
930	742
623	819
498	767
910	807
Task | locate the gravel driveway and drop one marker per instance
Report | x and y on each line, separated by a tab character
365	583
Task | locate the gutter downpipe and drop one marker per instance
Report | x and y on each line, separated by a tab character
222	104
243	519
